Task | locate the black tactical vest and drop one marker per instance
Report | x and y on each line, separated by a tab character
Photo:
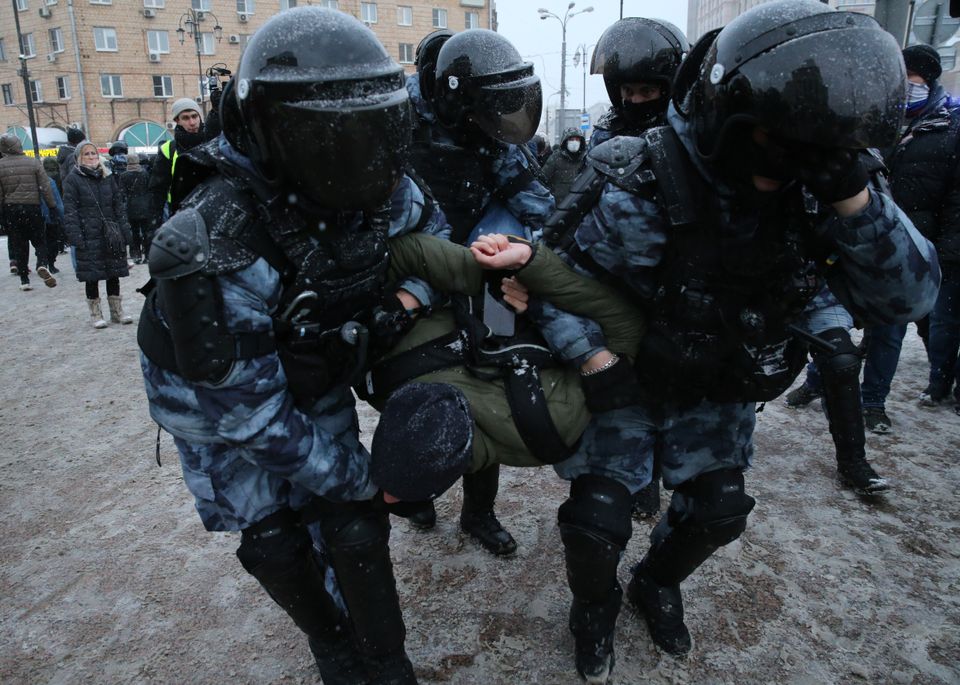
459	179
727	289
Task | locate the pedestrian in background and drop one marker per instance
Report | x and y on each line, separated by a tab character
562	167
95	218
134	184
24	186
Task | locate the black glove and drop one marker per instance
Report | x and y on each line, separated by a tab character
215	94
391	321
402	509
612	388
830	175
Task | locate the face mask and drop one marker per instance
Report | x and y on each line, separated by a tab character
573	146
917	93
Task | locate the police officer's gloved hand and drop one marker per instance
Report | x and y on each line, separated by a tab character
613	386
215	94
391	321
400	508
308	375
830	175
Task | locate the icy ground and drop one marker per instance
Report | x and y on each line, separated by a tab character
107	575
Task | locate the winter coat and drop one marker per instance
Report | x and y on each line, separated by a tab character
451	268
22	178
134	184
67	159
563	166
167	178
85	196
925	175
57	212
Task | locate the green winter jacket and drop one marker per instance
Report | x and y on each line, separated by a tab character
452	269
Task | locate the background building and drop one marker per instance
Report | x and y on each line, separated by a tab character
911	22
115	66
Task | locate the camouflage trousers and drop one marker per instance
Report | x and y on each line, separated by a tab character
687	440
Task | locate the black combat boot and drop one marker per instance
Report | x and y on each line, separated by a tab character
840	371
592	625
338	660
477	518
662	609
424	518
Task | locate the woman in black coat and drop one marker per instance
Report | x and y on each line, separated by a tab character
95	220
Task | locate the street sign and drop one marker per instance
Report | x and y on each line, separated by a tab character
585	122
933	24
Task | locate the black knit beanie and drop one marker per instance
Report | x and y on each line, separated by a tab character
924	61
424	441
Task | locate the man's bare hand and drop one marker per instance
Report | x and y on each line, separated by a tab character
495	251
515	294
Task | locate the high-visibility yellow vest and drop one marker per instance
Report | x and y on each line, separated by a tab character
165	151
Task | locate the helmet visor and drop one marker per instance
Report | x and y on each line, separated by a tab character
509	111
343	154
843	88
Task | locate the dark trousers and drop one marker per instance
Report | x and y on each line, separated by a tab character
93	288
945	335
24	226
142	235
52	243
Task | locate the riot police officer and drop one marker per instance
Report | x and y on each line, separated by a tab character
270	288
477	103
725	225
638	59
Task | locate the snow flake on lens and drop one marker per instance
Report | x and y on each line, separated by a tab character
453	82
716	74
243	89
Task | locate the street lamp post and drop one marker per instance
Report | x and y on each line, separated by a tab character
191	20
563	46
31	120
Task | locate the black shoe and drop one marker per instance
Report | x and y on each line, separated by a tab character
392	670
339	661
662	608
875	420
425	519
54	270
484	527
857	473
646	503
592	627
802	396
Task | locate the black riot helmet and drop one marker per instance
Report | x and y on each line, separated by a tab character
803	71
322	109
482	81
636	50
425	59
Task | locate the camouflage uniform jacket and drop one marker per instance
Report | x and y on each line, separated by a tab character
246	449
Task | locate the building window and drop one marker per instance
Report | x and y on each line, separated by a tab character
368	12
330	4
3	51
101	2
439	19
245	6
471	20
405	16
28	48
155	4
7	93
111	85
287	4
63	87
105	39
201	5
56	40
158	41
36	91
21	5
51	2
163	86
406	53
208	43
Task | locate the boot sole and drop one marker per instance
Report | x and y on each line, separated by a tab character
877	491
47	277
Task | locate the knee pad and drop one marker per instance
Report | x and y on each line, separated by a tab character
843	364
595	527
356	525
273	545
718	506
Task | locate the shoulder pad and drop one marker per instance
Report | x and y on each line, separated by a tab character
621	157
181	245
228	207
